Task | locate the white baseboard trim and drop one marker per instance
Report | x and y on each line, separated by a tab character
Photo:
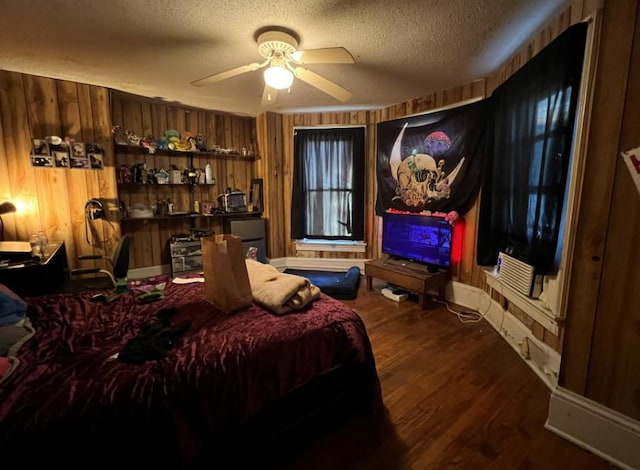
328	264
330	245
294	262
601	430
542	359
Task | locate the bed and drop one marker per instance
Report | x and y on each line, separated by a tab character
227	384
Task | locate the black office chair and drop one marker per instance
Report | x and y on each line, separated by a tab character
119	266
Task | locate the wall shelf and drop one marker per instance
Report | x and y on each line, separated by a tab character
139	149
229	215
160	185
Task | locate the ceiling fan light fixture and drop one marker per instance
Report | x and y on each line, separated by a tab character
278	77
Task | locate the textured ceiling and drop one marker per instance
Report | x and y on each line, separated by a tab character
402	48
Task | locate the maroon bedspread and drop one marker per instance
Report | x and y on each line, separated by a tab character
221	372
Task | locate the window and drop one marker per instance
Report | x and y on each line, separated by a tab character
528	151
328	184
553	123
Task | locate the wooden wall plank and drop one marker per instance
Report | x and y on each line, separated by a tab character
8	220
71	127
51	184
106	177
595	205
17	135
96	235
613	378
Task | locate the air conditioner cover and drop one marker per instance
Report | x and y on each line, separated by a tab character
519	275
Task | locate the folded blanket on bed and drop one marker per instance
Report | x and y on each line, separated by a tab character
278	292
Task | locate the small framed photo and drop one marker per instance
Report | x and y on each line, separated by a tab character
79	155
42	160
40	147
61	159
95	154
60	154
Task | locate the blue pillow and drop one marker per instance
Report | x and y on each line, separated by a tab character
12	308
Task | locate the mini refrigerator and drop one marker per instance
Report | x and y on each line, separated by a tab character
251	232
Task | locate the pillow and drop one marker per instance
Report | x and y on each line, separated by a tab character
11	339
14	336
10	335
12	308
7	366
339	285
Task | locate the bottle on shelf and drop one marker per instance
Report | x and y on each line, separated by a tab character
208	172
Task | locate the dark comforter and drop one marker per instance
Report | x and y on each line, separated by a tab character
69	398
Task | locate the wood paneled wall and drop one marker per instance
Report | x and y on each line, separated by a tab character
53	199
601	357
147	117
271	168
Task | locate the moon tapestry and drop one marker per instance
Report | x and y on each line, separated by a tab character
431	162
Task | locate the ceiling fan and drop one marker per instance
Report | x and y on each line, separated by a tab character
284	62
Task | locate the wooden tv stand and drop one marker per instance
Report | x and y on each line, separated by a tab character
413	277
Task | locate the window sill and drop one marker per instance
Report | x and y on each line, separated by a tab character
331	245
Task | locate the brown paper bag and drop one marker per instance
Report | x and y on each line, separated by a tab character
226	282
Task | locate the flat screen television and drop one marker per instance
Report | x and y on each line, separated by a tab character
419	238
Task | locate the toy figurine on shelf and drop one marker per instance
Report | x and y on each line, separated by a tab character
162	176
119	135
133	138
150	143
162	143
201	142
151	176
124	174
189	146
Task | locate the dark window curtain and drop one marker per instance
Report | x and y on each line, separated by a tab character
530	132
328	184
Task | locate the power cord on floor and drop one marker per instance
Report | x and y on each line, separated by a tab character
474	316
463	316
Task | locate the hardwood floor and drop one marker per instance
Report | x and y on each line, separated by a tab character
457	396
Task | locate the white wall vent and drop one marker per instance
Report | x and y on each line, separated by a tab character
519	275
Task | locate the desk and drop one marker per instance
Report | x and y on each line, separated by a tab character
37	278
411	276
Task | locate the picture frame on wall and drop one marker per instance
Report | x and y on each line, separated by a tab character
42	161
61	159
79	156
40	147
60	154
95	155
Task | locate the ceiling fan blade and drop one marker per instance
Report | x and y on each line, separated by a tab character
328	55
321	83
227	74
269	96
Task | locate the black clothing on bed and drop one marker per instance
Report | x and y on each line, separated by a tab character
155	340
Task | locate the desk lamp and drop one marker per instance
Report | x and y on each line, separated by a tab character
5	208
